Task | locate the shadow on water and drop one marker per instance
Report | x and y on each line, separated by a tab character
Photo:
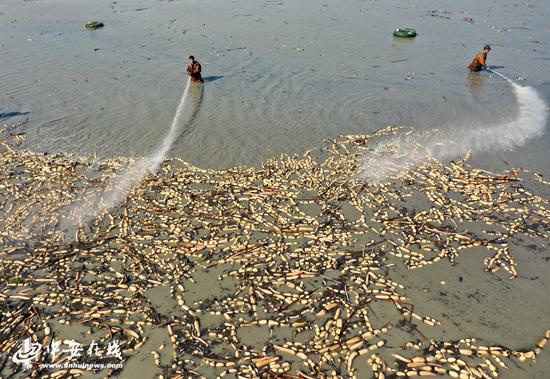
13	114
212	78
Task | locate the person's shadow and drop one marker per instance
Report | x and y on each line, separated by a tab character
12	114
211	78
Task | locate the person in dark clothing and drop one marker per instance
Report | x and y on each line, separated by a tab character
194	70
480	60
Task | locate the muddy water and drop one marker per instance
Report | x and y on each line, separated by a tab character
280	76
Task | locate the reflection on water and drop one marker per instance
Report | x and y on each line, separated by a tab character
197	92
475	83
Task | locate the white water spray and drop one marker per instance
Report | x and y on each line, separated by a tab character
124	183
402	154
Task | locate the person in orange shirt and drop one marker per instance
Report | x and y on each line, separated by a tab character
480	60
194	70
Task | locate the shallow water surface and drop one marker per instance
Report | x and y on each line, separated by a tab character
280	76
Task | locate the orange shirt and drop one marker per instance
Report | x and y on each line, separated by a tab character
195	72
478	62
481	58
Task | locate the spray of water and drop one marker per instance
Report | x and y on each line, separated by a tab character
401	154
121	185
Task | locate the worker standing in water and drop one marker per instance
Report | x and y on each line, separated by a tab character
480	60
194	70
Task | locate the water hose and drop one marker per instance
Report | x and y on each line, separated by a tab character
499	74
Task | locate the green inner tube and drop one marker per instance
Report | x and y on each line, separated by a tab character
94	25
404	33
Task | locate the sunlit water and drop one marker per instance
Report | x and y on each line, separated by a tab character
121	184
280	76
399	154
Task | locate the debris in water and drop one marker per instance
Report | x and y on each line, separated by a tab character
94	25
301	248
